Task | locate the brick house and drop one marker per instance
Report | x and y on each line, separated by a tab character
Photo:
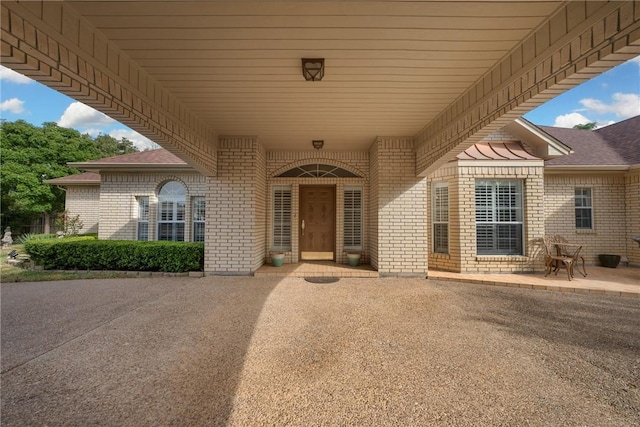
395	89
484	211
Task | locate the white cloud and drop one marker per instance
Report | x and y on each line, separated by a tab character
13	77
570	120
13	105
636	60
79	115
142	142
623	105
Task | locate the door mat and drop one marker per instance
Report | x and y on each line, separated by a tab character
322	279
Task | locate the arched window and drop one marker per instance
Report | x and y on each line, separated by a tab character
317	170
172	201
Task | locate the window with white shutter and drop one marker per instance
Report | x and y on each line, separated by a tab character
198	211
171	211
440	217
353	219
584	208
281	218
143	218
499	224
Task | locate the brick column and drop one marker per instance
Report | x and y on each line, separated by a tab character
400	201
236	209
632	193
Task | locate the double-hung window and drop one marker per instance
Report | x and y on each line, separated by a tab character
142	232
281	218
440	217
171	211
352	229
198	214
499	223
584	208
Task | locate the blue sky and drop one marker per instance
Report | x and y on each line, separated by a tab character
608	98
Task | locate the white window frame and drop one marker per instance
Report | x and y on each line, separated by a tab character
281	227
584	202
198	215
177	210
143	211
440	216
353	218
497	217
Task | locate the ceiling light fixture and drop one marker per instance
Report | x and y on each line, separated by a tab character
318	144
313	69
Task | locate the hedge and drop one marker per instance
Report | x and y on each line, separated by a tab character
87	253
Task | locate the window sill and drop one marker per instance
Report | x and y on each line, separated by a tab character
585	231
440	255
502	258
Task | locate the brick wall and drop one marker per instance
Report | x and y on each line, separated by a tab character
84	200
234	230
632	192
461	177
373	206
401	209
609	212
118	205
260	212
281	161
449	261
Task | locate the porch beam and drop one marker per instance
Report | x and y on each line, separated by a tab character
49	42
582	40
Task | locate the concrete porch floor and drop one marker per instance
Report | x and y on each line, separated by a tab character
316	269
621	281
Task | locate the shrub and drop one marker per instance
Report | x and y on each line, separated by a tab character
67	224
86	253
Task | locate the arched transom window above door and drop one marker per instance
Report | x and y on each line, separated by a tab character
317	170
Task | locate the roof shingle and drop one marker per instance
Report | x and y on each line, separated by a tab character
86	178
614	145
156	157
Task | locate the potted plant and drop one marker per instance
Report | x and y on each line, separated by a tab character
608	260
354	258
277	259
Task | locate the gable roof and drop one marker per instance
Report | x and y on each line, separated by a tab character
151	159
86	178
615	145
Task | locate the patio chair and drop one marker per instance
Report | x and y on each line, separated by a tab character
568	249
554	259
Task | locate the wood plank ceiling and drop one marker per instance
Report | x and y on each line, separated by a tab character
391	67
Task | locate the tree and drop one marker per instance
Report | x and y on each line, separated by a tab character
31	155
586	126
109	146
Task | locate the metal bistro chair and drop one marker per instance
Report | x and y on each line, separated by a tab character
568	249
555	259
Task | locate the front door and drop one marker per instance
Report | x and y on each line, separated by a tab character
317	222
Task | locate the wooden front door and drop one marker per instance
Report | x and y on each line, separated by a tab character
317	222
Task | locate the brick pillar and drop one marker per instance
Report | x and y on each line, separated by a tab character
401	201
236	206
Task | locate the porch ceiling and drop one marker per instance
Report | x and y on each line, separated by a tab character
391	67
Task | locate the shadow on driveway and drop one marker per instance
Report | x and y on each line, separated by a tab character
161	351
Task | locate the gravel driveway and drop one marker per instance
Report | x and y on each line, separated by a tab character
248	351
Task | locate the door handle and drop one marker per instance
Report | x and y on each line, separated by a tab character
302	227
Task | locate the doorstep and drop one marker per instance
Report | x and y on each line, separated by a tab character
316	269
